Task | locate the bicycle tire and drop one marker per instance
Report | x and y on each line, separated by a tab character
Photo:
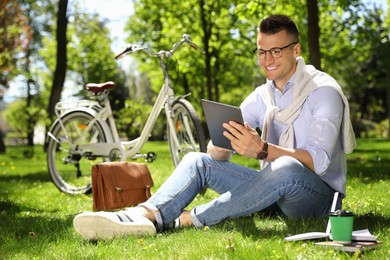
182	110
69	170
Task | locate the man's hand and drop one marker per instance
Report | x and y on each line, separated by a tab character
244	139
218	153
247	142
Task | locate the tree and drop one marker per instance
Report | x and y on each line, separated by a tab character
213	25
89	57
86	56
32	13
92	59
33	109
369	80
17	116
14	38
313	33
60	71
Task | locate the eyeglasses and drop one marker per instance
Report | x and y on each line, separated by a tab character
275	52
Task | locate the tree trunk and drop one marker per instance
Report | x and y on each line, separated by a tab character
313	32
206	27
31	119
388	106
2	145
60	71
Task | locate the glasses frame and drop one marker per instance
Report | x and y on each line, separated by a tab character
272	51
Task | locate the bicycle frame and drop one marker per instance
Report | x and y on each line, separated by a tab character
104	116
164	100
85	131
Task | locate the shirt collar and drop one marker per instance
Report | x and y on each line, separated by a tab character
289	84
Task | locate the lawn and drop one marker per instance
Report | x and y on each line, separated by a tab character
36	219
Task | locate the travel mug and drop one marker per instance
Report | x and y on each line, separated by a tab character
341	222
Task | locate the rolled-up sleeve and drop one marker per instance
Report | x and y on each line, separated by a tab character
326	107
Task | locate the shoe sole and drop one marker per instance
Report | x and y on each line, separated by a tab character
102	227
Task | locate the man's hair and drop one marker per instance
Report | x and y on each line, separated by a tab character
276	23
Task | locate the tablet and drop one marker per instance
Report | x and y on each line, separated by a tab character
216	114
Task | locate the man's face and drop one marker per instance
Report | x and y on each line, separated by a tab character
279	69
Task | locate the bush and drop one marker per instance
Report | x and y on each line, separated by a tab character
131	120
368	129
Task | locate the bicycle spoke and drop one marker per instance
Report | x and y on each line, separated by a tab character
188	135
68	168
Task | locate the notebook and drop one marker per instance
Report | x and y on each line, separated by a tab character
216	114
316	235
357	235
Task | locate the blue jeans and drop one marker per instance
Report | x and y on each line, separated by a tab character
298	192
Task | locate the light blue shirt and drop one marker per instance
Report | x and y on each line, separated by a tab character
317	129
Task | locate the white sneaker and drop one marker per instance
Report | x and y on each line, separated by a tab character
106	225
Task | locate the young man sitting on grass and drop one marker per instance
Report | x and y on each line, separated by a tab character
306	132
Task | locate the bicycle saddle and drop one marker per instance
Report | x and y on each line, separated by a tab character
100	87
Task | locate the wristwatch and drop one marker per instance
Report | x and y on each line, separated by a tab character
263	153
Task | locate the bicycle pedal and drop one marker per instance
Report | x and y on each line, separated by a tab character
150	156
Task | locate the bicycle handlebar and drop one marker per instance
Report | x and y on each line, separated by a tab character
161	54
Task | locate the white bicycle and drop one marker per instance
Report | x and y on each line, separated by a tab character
85	133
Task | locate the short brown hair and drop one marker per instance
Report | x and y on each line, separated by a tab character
276	23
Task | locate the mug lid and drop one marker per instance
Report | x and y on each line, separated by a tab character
341	213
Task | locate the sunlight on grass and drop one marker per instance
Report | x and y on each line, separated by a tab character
36	218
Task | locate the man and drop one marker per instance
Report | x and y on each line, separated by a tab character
306	131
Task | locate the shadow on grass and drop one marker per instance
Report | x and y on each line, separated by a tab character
41	176
12	209
369	169
367	175
373	222
260	226
29	229
21	225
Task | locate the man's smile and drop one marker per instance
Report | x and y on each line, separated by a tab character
274	67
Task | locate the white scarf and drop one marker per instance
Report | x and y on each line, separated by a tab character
307	79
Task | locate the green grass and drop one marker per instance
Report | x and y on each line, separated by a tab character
36	219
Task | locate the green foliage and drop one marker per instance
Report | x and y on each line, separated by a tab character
18	115
369	129
131	118
353	42
90	58
355	46
14	37
90	50
37	219
212	25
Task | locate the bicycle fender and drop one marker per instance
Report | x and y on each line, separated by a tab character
177	98
87	110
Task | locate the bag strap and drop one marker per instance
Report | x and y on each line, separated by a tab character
110	173
147	178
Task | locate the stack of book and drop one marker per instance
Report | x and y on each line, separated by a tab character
361	240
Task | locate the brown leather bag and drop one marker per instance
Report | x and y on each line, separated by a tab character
116	185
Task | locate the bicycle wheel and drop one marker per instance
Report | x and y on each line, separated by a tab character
188	131
69	168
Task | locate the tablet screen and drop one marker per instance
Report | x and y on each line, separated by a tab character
216	114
